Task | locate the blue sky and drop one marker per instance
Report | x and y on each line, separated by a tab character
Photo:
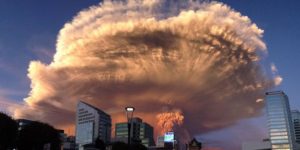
281	21
28	31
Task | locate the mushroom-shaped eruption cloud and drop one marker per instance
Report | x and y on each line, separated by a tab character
182	64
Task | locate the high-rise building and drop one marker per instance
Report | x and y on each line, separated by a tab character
296	121
140	132
91	123
280	123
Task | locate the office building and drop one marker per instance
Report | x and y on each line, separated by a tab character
194	145
140	132
296	121
91	123
160	141
280	123
69	143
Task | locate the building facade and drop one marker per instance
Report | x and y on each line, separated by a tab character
280	125
296	121
91	123
160	142
140	132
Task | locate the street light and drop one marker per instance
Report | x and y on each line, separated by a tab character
129	114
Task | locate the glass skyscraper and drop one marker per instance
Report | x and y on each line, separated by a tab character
281	130
91	123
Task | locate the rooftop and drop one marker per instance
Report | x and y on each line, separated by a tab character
99	110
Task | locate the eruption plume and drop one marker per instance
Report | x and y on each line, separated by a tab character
200	59
167	120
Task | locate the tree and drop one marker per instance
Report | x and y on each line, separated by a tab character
8	132
36	135
137	146
100	144
119	146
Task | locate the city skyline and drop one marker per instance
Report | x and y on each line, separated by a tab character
32	34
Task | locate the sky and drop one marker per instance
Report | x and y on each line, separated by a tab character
29	29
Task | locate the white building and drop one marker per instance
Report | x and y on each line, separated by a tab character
91	123
281	130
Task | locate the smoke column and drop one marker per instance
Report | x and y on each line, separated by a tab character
167	120
185	64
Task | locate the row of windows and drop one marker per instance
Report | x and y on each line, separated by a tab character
281	146
275	141
282	137
121	130
121	125
278	130
81	109
278	133
277	126
271	116
86	118
274	103
275	112
83	122
85	114
276	119
276	122
275	108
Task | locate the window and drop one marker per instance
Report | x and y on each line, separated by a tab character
275	141
278	137
278	133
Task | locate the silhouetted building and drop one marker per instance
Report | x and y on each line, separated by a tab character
280	123
69	143
167	141
195	145
91	123
22	123
140	132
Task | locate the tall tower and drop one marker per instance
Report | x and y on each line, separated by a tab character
296	121
91	123
281	130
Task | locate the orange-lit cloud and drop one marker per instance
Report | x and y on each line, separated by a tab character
158	56
167	120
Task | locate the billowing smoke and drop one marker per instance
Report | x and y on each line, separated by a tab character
201	61
167	120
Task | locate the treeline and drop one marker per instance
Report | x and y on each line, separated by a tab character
38	136
32	136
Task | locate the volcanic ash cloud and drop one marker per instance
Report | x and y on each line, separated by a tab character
185	64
